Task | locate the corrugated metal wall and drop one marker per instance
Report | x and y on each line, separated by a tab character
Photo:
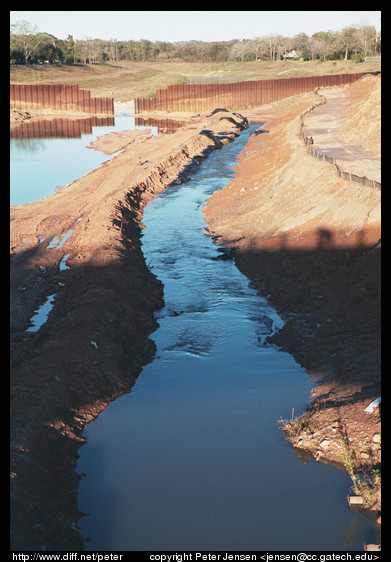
182	97
239	95
62	97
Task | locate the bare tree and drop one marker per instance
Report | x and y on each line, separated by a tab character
24	38
348	39
275	43
238	50
112	49
286	46
366	39
320	44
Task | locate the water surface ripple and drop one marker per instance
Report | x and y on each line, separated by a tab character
193	458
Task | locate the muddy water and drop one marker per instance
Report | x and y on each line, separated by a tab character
193	458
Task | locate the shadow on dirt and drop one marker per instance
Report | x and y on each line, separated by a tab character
329	297
89	351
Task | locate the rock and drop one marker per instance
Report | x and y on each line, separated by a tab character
355	500
226	254
373	405
375	547
268	322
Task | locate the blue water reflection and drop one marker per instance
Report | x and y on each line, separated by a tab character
193	458
40	165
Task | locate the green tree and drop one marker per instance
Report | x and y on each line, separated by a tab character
301	45
145	49
348	38
164	50
68	49
46	48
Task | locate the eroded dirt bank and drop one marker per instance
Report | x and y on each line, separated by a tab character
310	242
83	245
306	238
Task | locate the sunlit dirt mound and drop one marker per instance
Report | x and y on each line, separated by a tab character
283	197
362	123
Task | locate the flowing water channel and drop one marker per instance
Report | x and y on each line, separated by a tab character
193	457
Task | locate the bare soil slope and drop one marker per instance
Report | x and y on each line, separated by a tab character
362	120
310	241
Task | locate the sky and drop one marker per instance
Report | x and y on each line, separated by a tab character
174	26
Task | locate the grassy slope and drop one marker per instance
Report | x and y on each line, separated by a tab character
126	80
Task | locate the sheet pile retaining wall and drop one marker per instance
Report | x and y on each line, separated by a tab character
239	95
59	97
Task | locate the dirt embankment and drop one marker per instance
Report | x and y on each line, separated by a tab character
309	241
83	244
362	121
306	238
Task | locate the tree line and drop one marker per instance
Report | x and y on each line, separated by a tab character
28	46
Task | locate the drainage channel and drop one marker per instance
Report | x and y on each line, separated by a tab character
193	457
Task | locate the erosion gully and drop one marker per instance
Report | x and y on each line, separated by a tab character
193	457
